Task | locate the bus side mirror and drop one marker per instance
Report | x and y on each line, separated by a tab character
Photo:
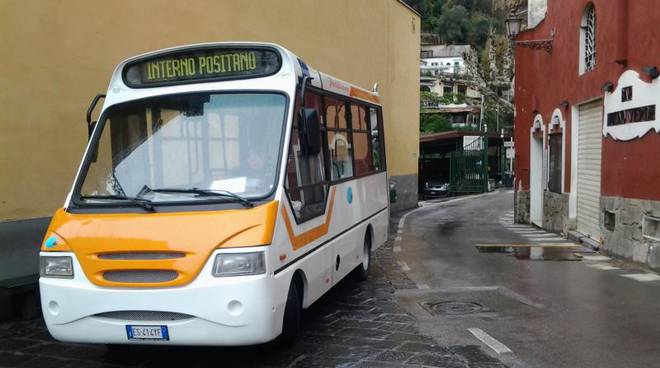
311	132
91	124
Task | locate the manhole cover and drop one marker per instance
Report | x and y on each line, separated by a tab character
455	307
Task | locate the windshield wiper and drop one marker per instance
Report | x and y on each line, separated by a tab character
202	192
146	204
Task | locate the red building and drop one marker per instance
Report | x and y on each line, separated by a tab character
586	131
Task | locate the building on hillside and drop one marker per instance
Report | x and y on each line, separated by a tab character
56	57
444	72
586	128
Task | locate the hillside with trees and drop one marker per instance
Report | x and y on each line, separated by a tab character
479	23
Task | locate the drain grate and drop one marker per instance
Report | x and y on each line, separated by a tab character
453	308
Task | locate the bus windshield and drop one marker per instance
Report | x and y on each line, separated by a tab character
171	148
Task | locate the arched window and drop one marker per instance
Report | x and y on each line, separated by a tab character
588	39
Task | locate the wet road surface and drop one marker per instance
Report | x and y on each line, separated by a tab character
354	325
576	310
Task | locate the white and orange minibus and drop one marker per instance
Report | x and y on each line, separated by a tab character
224	189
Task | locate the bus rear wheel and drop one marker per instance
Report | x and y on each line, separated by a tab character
362	270
292	314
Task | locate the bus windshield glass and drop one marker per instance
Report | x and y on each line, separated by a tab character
173	148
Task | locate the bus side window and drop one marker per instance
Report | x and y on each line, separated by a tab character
361	141
340	142
376	145
305	182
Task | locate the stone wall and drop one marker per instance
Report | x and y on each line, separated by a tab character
625	236
406	192
521	207
555	212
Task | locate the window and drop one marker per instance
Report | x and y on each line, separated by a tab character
376	144
588	40
447	90
361	141
223	141
555	146
339	140
462	89
305	180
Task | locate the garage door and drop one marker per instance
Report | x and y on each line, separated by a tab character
590	138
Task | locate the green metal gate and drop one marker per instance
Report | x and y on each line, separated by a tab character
469	167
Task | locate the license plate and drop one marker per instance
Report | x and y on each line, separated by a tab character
147	332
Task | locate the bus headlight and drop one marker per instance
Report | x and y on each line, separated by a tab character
239	264
56	267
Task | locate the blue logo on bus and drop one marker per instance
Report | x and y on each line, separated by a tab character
349	195
51	242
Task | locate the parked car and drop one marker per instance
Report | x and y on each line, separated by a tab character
435	188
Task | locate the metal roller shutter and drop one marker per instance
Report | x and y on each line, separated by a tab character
590	136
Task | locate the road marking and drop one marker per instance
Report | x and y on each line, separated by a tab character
396	249
596	258
490	341
540	236
643	277
601	266
422	286
404	266
563	244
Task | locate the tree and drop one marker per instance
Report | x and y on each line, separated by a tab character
434	123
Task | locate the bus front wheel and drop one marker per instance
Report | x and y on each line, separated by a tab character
292	313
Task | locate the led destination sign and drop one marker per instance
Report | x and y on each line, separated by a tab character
202	65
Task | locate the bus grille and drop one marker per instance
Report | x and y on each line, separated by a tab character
141	255
140	276
144	316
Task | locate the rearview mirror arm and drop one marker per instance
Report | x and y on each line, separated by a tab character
90	109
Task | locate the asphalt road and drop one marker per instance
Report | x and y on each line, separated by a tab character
549	313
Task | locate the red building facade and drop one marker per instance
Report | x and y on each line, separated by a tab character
586	131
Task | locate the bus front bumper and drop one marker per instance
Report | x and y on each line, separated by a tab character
209	311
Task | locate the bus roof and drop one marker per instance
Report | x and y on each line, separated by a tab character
186	68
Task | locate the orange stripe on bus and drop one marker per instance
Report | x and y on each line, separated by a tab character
299	241
360	93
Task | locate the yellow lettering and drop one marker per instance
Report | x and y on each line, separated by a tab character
222	63
202	64
228	62
149	72
175	68
244	61
216	64
191	67
168	68
237	62
252	60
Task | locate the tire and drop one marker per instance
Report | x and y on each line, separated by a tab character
292	315
362	270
